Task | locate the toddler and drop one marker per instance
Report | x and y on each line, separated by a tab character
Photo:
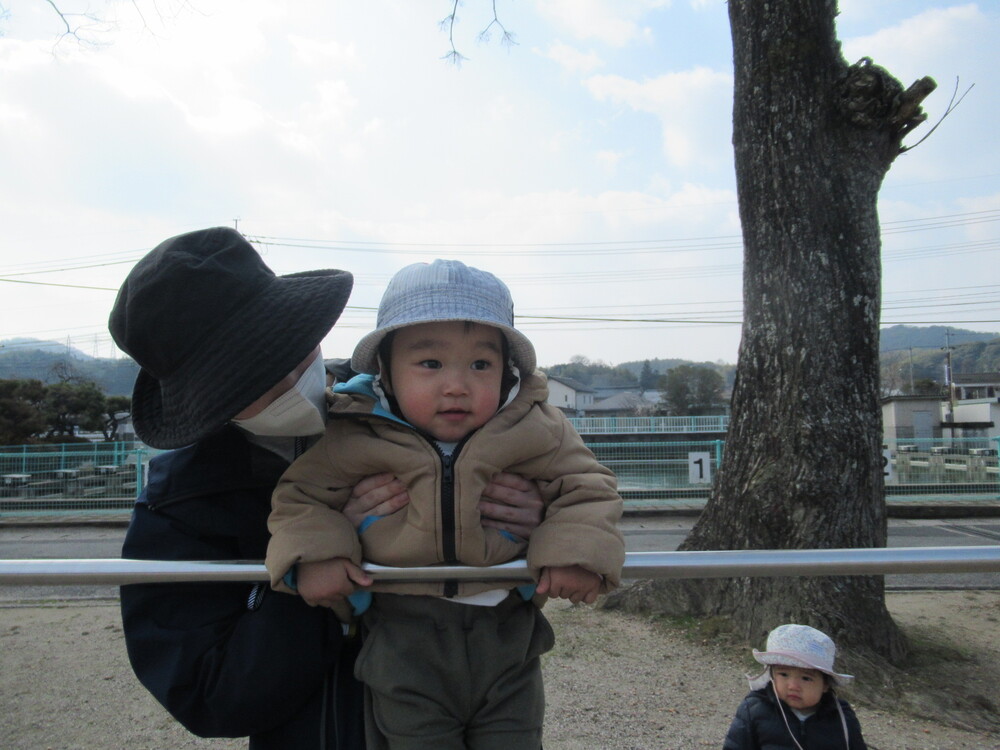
793	703
449	397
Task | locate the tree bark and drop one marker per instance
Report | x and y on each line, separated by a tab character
813	139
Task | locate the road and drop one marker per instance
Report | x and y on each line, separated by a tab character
645	533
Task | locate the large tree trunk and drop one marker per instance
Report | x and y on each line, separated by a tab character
813	140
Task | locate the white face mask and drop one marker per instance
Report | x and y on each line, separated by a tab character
298	412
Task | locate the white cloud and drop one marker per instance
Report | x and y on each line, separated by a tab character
609	159
693	108
615	24
327	53
571	59
931	35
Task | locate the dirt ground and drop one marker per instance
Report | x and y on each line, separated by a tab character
614	681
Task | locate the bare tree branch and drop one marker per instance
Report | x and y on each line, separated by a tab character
448	23
86	28
952	105
507	39
72	30
455	57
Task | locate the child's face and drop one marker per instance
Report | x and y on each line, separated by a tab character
446	376
799	688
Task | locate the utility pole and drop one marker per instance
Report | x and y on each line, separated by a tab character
949	379
911	371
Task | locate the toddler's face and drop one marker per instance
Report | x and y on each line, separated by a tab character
799	688
446	376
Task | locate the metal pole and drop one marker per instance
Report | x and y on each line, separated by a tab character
708	564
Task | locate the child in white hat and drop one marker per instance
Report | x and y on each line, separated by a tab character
793	704
449	396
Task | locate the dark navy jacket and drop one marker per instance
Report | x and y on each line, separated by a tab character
758	725
232	659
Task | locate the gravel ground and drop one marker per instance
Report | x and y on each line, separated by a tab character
614	681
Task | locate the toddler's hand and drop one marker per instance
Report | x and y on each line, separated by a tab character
326	582
570	582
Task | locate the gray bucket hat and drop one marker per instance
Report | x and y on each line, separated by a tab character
798	646
444	290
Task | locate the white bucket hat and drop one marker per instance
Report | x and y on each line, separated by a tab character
444	290
798	646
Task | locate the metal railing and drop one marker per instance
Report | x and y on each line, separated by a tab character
661	425
701	564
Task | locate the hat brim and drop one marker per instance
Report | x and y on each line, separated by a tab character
365	358
239	358
771	659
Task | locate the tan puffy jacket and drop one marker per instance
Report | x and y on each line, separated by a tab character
441	524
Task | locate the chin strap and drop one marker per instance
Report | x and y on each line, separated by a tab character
843	721
783	716
840	711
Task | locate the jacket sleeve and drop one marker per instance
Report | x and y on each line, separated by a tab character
306	522
853	727
740	734
582	512
220	668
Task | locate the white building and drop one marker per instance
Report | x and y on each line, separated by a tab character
572	396
973	412
911	417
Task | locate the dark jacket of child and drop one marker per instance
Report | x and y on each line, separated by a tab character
232	659
758	725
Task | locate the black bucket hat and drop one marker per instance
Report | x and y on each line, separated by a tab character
213	329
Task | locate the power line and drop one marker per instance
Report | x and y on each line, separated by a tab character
52	283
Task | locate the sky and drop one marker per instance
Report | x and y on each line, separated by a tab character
589	164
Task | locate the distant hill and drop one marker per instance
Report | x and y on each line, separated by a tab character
661	366
599	374
900	337
45	360
902	347
902	365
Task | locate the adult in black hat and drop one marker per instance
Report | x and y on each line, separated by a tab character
232	376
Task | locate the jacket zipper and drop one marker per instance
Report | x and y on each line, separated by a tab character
447	499
448	509
448	541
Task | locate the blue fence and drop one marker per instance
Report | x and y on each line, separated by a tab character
654	425
107	477
72	476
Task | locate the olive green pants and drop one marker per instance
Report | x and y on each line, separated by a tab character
453	676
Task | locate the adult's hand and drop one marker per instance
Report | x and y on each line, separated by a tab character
377	495
511	503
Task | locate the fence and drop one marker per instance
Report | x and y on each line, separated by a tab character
651	472
943	467
654	425
107	477
72	476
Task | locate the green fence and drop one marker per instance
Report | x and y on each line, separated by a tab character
71	476
945	467
107	477
655	425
